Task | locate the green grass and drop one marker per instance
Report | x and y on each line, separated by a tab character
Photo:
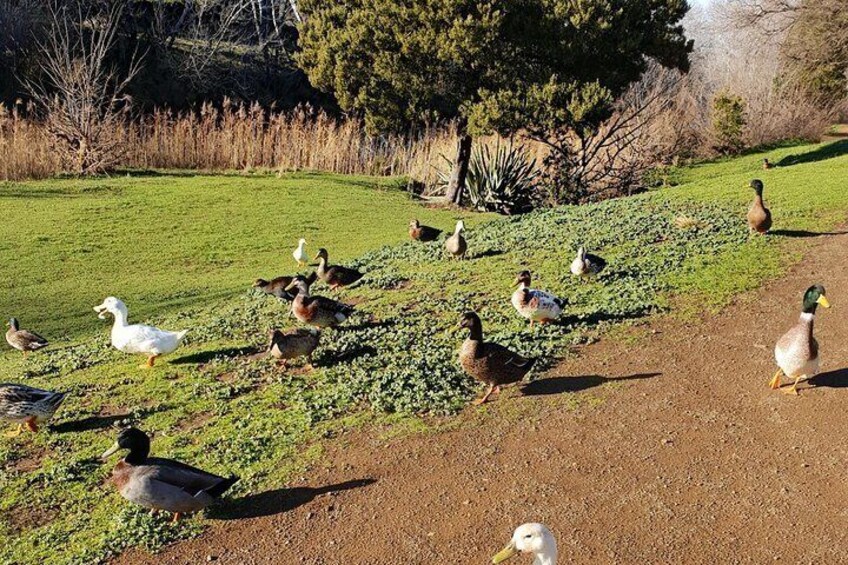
183	250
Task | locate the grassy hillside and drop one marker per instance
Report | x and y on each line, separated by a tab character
211	406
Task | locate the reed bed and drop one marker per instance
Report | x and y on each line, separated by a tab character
237	137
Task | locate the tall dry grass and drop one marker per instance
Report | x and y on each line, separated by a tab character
238	137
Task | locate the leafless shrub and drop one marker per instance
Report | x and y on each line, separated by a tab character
83	96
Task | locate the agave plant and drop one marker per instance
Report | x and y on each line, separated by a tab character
502	180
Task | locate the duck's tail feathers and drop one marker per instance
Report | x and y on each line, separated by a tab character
222	487
56	399
181	335
560	302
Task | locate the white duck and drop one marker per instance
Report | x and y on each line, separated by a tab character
535	305
531	538
586	264
299	254
137	338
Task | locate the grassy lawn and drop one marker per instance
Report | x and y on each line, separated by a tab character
182	251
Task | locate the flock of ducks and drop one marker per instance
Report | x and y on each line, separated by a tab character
164	484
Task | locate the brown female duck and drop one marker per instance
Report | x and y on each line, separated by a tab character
293	343
24	340
490	363
27	406
759	217
423	233
162	484
317	311
335	275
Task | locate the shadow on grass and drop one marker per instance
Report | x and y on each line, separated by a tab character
90	423
487	253
831	379
206	356
804	233
278	501
560	385
829	151
365	326
348	356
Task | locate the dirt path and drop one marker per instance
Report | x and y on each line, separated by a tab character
689	458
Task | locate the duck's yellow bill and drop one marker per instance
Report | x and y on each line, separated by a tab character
110	451
505	553
823	302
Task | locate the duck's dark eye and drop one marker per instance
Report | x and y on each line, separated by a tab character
528	536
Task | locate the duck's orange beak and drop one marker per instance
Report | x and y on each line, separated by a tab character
823	302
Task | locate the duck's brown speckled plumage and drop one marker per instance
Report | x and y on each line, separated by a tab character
294	343
423	233
24	404
335	275
759	217
488	362
24	340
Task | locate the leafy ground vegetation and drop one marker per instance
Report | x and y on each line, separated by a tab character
182	251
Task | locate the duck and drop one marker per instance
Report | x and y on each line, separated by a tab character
759	217
24	340
488	362
277	286
137	338
27	406
336	276
535	305
535	539
456	244
299	253
423	233
162	484
317	311
586	264
291	344
797	351
767	165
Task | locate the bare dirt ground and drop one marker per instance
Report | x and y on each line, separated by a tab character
677	452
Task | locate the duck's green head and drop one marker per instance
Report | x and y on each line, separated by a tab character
813	298
757	185
133	439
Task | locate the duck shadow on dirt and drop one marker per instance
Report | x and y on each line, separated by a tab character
278	501
831	379
804	233
560	385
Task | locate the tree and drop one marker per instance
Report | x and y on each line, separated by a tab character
82	94
492	65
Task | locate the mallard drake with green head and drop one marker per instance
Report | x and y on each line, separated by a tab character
27	406
24	340
423	233
317	311
162	484
335	275
586	264
535	305
456	244
759	217
797	352
488	362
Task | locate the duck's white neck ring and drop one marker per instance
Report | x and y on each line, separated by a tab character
807	317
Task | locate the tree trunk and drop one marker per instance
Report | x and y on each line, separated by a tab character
456	186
